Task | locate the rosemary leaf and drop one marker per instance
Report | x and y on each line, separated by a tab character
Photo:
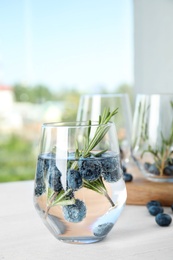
101	130
100	118
96	139
99	187
92	186
110	115
98	154
89	129
62	198
105	115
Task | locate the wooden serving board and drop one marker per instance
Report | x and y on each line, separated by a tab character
140	190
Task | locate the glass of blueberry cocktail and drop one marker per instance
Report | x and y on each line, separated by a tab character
79	190
152	136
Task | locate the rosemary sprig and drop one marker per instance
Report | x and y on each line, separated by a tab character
98	186
58	198
101	130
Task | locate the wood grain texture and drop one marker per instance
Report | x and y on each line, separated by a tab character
140	190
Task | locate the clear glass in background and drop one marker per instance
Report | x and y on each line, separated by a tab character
91	106
79	189
152	136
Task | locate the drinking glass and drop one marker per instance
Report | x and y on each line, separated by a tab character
152	136
79	190
91	106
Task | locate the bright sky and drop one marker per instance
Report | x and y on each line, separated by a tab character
67	43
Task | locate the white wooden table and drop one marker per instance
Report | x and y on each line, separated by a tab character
23	236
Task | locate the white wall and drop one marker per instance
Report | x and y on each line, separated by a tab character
153	39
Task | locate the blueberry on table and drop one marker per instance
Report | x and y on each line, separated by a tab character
54	178
74	179
90	169
103	229
127	177
111	170
154	210
75	212
163	219
172	207
153	203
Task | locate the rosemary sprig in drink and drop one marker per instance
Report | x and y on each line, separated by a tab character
97	185
101	130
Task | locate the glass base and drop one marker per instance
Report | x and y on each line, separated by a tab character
160	179
155	178
80	240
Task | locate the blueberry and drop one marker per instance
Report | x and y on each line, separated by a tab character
75	212
49	159
40	187
147	166
90	169
103	229
153	169
169	161
168	170
111	170
40	168
127	177
54	178
163	219
172	207
124	169
43	164
154	210
74	179
153	203
46	164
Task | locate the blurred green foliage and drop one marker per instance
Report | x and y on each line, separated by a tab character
17	155
17	159
36	94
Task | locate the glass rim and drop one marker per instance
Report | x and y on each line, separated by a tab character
154	94
105	95
74	124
